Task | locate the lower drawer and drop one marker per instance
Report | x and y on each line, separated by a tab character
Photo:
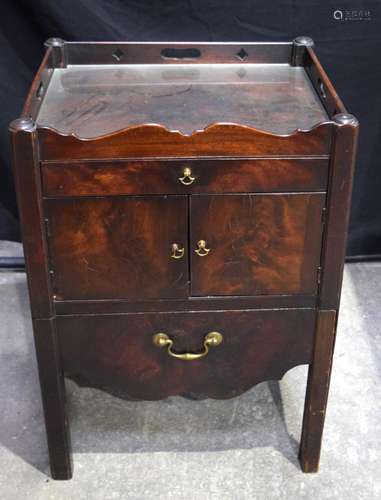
117	353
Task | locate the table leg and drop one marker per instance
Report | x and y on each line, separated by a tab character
317	391
53	398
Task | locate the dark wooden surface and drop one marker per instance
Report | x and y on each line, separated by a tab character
92	101
115	284
28	188
39	86
61	53
103	248
216	140
188	304
259	244
339	196
322	84
162	176
150	52
118	247
53	398
116	353
317	391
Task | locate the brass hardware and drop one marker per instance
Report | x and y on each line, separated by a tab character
187	178
177	252
212	339
201	249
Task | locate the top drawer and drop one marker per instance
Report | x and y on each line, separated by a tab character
102	178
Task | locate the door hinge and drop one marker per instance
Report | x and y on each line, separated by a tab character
323	215
47	234
47	227
319	275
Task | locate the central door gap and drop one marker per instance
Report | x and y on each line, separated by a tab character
189	221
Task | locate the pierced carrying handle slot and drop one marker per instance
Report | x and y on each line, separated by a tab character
212	339
182	53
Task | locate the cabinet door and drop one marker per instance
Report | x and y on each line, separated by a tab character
255	244
108	248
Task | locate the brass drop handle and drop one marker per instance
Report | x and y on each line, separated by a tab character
187	178
201	249
212	339
177	252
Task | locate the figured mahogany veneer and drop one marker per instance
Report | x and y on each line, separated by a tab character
104	248
163	176
222	139
183	189
260	244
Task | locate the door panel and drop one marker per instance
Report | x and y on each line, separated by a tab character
105	248
258	244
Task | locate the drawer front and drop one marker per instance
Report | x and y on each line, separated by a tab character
183	177
256	244
117	353
102	248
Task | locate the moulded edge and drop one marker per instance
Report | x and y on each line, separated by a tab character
213	127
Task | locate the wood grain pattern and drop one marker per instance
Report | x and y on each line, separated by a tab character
339	195
28	189
259	244
114	206
39	86
317	391
322	84
118	248
91	102
162	177
155	140
150	52
116	353
53	398
189	304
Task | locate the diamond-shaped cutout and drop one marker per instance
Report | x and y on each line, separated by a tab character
118	54
242	55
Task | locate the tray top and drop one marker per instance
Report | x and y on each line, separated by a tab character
95	100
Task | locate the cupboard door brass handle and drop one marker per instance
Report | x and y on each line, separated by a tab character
177	252
201	249
187	178
212	339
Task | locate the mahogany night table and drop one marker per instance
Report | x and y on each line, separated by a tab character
184	210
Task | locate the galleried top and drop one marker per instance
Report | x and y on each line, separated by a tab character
93	100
